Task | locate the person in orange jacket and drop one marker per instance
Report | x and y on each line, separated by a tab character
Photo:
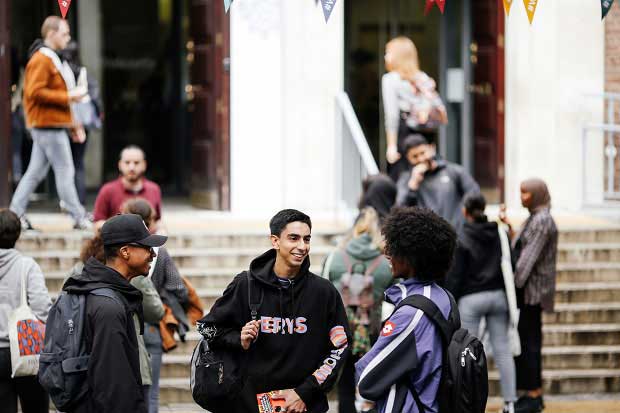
47	102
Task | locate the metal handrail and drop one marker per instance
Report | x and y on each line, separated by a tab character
344	103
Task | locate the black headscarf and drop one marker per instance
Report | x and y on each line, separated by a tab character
379	192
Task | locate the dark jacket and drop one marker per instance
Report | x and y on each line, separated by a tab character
442	191
477	262
302	343
114	379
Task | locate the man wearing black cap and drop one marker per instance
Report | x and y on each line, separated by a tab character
114	378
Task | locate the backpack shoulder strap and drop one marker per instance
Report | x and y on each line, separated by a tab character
107	292
374	264
254	306
347	261
432	311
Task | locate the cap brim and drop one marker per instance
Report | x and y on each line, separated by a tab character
153	241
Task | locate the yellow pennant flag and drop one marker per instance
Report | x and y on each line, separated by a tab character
507	6
530	8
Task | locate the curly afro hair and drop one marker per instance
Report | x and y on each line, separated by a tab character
423	239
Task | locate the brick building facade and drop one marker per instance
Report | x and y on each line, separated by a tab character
612	74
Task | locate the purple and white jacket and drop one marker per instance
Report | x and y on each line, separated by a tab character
409	347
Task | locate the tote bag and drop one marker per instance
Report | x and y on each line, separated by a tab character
26	334
511	295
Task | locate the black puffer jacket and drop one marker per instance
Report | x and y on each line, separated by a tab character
114	380
477	263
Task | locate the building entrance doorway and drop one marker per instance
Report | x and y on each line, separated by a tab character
162	68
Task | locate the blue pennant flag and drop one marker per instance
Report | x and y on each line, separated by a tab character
328	7
227	4
606	6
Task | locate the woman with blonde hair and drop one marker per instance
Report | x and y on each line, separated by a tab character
361	273
410	101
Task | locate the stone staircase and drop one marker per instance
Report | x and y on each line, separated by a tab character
581	339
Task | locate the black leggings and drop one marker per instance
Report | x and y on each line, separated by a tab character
529	363
32	397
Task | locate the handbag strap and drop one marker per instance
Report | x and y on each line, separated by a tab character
24	283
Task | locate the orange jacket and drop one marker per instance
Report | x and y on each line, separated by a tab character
46	100
169	324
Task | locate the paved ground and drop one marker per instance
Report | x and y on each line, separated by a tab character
558	404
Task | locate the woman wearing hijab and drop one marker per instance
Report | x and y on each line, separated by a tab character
535	249
378	192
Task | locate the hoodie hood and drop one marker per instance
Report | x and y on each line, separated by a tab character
7	259
479	232
34	47
261	268
361	248
97	275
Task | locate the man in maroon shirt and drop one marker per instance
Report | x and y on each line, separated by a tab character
131	184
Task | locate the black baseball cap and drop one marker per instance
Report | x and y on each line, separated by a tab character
129	229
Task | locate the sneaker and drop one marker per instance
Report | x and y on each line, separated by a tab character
83	225
26	225
527	404
509	407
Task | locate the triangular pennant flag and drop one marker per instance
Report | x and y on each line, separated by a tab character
64	7
441	4
328	7
530	8
507	6
428	7
606	6
227	4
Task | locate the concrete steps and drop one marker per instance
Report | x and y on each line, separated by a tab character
581	351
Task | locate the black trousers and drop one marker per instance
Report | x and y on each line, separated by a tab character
347	386
78	151
529	363
32	397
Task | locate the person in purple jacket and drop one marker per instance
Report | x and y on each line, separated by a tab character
408	354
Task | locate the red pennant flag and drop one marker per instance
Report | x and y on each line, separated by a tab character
64	7
428	7
441	4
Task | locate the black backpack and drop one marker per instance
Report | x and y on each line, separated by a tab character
464	386
218	374
63	364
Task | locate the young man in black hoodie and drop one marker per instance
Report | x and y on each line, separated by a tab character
114	379
299	343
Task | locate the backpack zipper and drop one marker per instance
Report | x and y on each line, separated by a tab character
464	353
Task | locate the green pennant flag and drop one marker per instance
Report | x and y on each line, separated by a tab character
606	6
227	4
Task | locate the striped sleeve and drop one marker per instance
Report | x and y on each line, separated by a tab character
393	355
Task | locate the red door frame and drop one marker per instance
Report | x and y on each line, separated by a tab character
5	103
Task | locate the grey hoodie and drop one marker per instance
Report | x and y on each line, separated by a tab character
12	265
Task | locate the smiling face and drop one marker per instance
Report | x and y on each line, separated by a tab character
138	259
293	244
420	154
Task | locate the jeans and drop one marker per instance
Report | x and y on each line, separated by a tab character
32	397
153	398
78	150
529	363
50	147
492	305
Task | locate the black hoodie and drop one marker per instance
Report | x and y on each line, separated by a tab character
477	262
302	343
114	380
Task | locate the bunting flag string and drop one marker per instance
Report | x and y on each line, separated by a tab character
606	6
328	7
227	4
530	8
507	6
64	7
428	7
